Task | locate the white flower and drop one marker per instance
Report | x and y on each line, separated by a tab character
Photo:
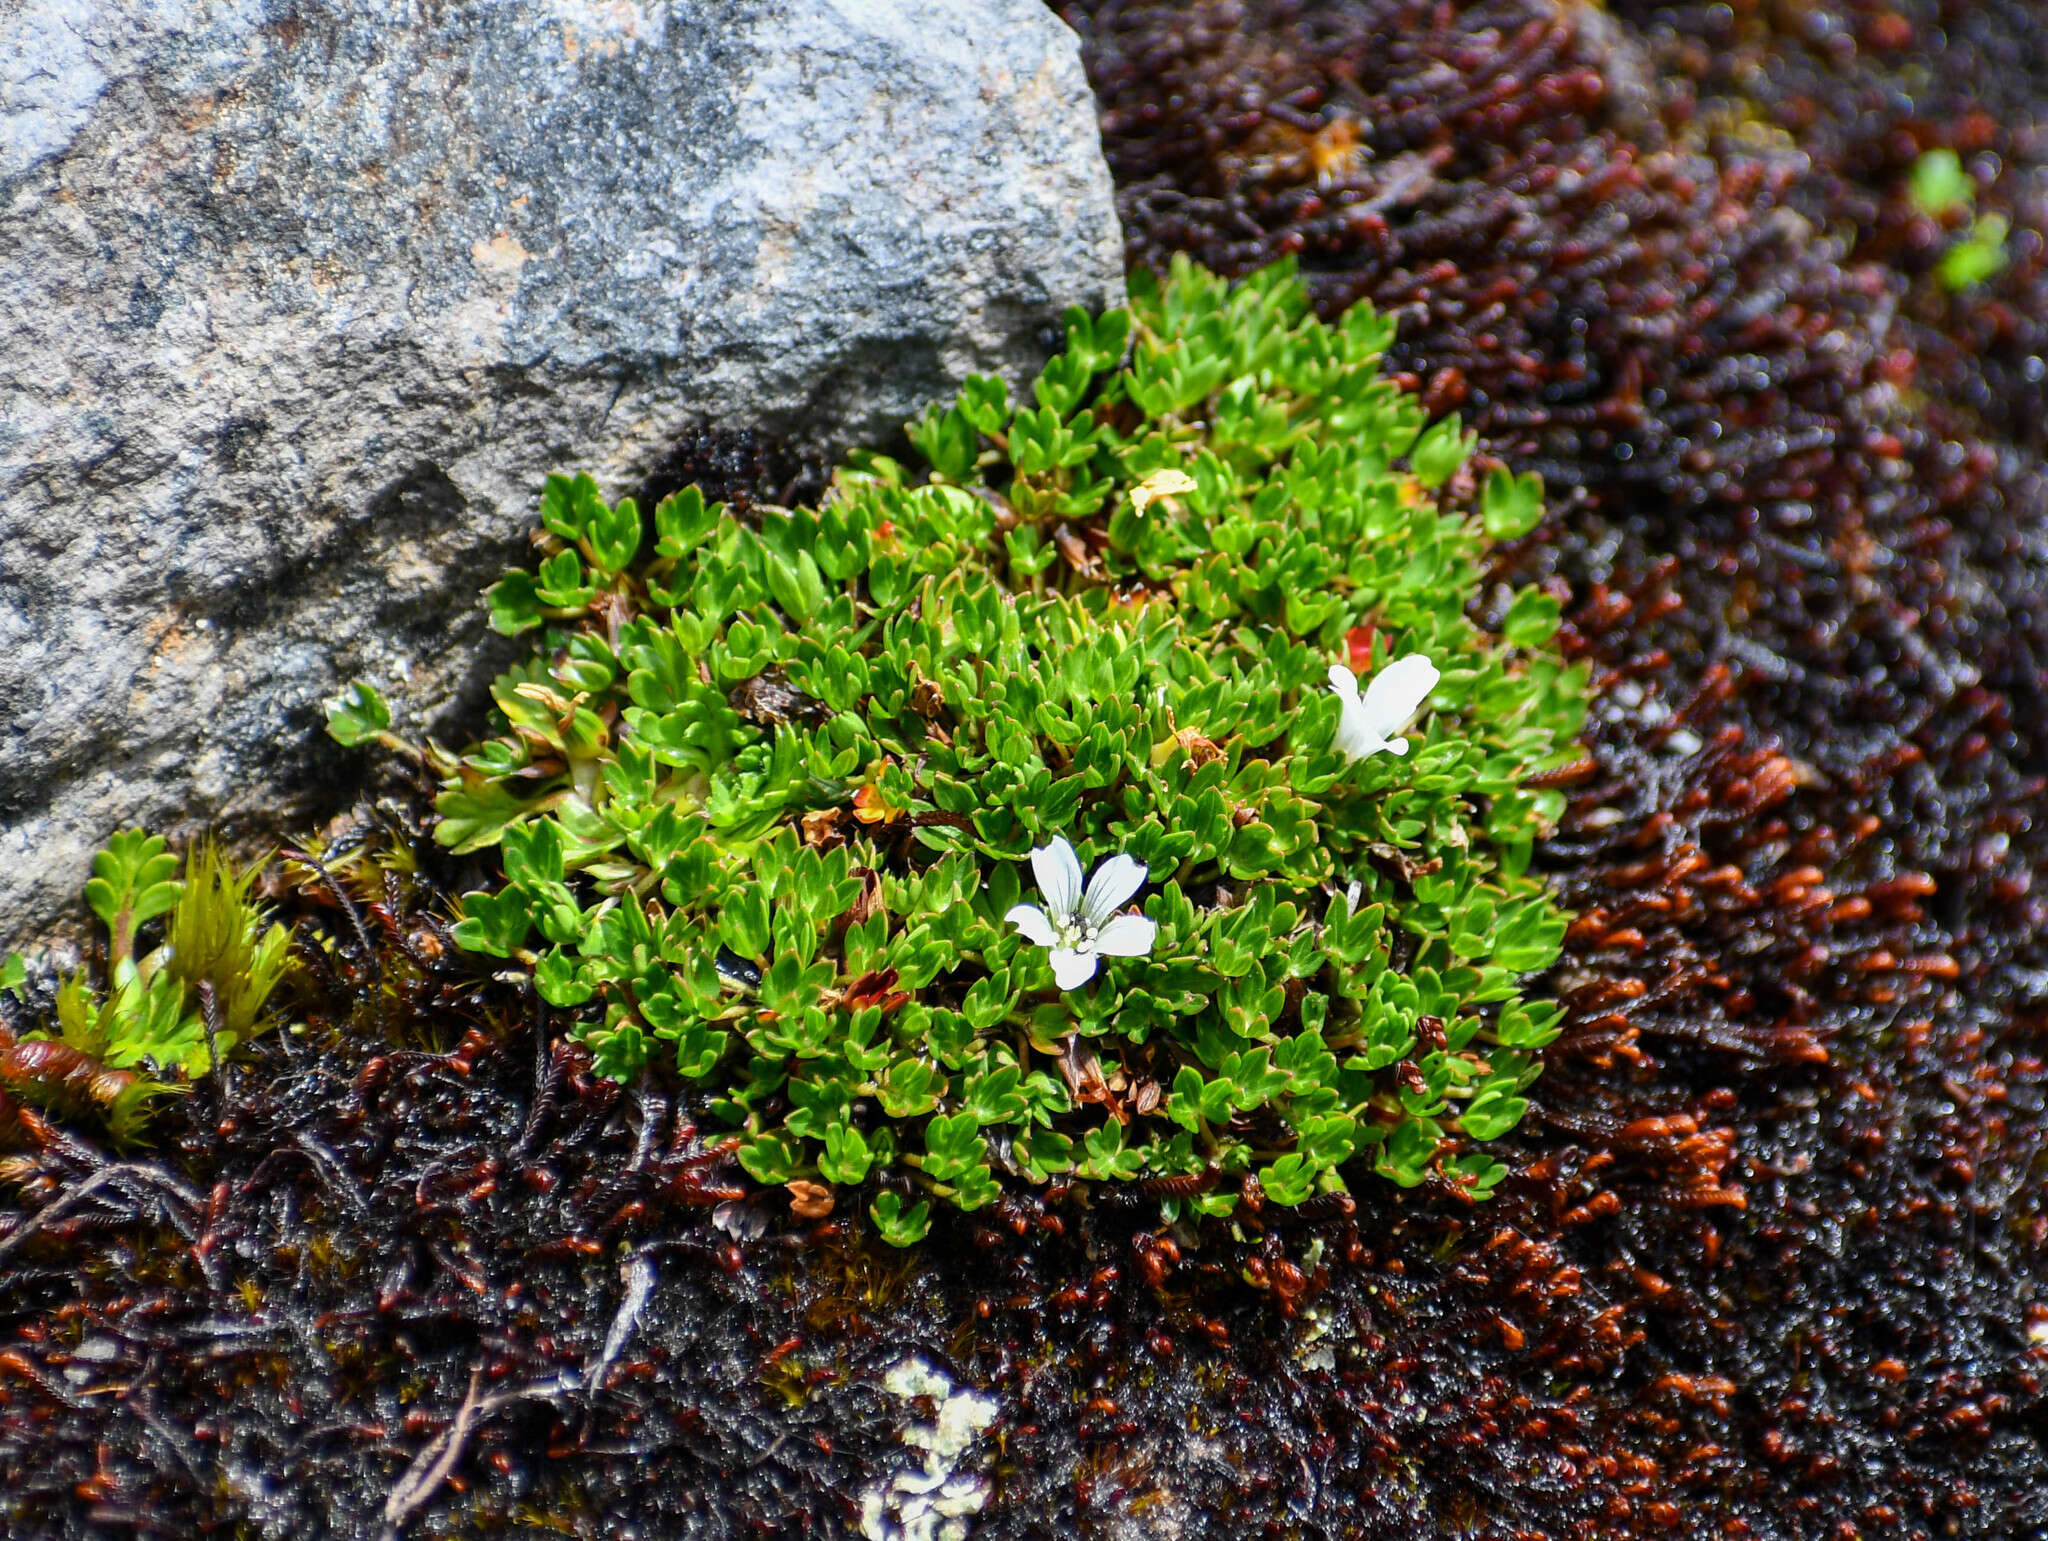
1392	697
1080	925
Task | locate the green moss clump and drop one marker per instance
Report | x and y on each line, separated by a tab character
768	791
165	1011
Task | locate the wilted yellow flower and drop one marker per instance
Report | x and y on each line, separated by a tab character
1160	484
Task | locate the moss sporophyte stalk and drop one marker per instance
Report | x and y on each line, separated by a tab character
805	802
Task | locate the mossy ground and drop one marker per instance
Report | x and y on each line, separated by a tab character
1732	1287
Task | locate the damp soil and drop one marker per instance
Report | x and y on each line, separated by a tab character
1774	1257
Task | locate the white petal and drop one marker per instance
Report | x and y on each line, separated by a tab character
1059	878
1355	740
1396	693
1126	936
1032	921
1071	970
1111	887
1343	681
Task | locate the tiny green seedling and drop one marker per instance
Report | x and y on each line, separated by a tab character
1978	256
1940	188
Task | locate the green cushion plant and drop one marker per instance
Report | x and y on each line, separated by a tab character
801	801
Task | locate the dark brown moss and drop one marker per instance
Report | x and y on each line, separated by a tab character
1770	544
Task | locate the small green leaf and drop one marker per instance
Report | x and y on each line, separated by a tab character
1978	256
132	874
619	1052
993	1097
557	980
1107	1159
132	882
768	1159
614	535
907	1090
900	1227
744	922
1511	506
1441	450
571	506
533	853
496	924
1939	185
952	1144
1532	620
985	403
357	716
1490	1115
1288	1180
946	439
975	1187
846	1158
682	520
561	585
1477	1174
699	1049
515	604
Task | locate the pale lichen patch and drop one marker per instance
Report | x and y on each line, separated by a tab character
935	1503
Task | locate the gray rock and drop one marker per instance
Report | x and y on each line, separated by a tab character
299	305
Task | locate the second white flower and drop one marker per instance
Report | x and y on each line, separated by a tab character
1394	694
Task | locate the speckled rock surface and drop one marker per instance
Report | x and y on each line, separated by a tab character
299	305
